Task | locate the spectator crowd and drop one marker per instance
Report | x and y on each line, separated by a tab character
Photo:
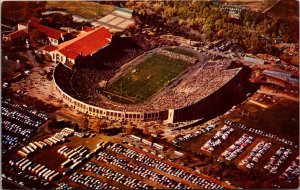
83	81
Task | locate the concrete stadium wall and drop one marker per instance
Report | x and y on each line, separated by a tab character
104	113
220	101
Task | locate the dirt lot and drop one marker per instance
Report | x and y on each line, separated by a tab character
281	118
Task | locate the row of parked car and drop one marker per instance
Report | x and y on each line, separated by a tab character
158	164
20	117
292	172
225	45
217	139
19	124
39	170
90	182
64	186
72	155
141	171
280	156
113	175
255	154
25	109
238	147
78	156
17	129
9	142
23	176
260	132
32	148
193	134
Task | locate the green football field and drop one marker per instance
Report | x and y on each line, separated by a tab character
151	75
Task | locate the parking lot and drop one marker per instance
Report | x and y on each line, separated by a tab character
248	149
19	123
69	159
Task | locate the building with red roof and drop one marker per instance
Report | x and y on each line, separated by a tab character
19	34
49	48
84	46
55	36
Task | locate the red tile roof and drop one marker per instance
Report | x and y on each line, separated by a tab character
18	34
68	53
89	44
49	48
50	32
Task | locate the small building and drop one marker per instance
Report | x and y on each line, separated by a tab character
22	26
19	35
282	76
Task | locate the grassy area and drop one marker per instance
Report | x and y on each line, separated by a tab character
90	10
151	75
181	51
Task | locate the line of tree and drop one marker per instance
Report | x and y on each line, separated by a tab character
21	11
205	20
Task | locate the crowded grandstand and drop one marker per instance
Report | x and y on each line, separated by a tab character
83	81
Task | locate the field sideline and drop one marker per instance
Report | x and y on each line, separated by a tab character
145	79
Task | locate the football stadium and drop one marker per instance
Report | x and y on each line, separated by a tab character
134	79
144	80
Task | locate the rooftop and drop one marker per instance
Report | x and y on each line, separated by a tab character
49	48
87	44
50	32
17	34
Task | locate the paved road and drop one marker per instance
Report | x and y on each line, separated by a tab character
31	57
7	26
13	184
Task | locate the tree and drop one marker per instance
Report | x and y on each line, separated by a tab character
284	31
96	125
129	130
63	20
36	37
220	33
80	25
48	57
84	123
146	130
